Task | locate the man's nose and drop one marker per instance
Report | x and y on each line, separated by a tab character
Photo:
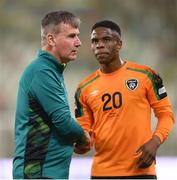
99	44
78	42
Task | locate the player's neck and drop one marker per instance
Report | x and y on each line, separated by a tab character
111	67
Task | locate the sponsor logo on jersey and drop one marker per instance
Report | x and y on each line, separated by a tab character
131	84
94	93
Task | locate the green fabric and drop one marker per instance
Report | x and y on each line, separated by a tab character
44	128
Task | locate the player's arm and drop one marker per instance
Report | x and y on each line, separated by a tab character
159	101
161	106
84	118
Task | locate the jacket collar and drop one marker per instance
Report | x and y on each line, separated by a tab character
53	59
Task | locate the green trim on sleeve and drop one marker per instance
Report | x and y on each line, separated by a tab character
78	92
149	75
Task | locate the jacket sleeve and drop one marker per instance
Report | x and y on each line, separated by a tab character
160	103
50	92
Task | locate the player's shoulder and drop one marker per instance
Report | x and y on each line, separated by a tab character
140	68
144	70
89	79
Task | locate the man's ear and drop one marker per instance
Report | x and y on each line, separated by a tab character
51	39
119	44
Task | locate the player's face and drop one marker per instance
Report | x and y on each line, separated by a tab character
105	45
66	43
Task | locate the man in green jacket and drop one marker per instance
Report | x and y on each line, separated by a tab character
44	128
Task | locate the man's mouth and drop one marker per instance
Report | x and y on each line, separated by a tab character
74	51
101	53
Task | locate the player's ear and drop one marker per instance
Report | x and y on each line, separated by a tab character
119	44
51	39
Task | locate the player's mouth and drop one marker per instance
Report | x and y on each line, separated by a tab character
74	51
99	54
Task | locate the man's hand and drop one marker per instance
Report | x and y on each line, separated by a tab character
148	152
83	148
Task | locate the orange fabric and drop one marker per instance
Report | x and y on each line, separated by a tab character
120	118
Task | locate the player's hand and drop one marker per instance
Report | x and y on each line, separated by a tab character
83	148
148	152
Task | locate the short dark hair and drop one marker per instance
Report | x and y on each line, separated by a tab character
51	21
57	17
108	24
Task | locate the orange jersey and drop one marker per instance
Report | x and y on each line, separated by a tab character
116	107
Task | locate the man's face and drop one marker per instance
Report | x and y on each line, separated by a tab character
67	43
105	44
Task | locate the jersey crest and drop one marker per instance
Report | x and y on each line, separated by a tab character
131	84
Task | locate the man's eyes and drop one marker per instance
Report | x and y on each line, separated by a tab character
94	40
72	35
106	39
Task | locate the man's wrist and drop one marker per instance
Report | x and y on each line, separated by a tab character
157	140
84	140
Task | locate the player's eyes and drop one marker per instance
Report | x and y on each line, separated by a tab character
107	39
94	41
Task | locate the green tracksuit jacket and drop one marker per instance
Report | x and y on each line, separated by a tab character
44	128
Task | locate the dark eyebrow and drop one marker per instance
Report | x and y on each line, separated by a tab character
107	37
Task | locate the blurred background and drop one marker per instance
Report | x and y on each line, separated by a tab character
149	34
